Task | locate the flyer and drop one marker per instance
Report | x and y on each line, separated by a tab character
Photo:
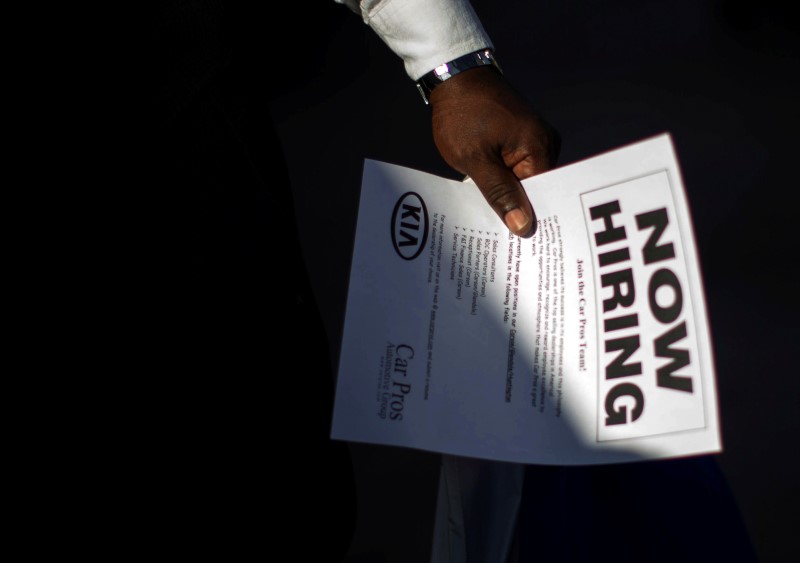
587	343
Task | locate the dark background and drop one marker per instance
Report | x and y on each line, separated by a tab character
720	76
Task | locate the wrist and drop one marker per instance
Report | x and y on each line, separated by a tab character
478	85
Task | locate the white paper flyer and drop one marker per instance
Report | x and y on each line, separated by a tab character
587	343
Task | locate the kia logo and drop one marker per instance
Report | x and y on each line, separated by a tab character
409	226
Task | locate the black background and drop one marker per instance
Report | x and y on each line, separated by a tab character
720	76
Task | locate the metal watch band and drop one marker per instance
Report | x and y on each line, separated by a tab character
431	80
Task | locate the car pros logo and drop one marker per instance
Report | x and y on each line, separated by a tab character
409	226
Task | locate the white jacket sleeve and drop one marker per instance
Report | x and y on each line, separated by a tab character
424	33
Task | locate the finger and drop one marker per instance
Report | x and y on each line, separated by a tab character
505	195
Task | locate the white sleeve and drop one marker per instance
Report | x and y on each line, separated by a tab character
424	33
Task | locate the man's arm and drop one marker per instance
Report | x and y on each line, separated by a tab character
481	126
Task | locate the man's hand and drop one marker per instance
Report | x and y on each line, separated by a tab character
484	129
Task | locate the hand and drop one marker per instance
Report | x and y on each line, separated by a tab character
484	129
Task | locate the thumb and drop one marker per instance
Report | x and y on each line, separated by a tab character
505	195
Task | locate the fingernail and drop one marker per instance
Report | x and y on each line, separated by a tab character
517	221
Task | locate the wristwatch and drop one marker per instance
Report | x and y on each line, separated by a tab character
429	81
